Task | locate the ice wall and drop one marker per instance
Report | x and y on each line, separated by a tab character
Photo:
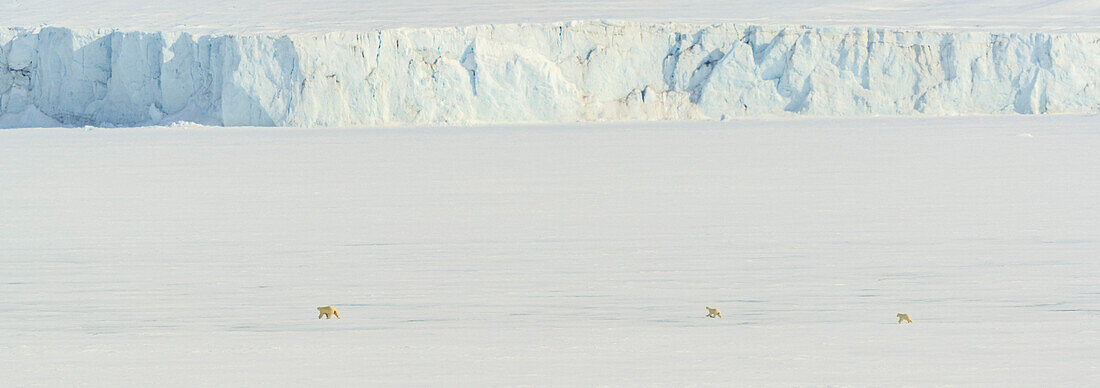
564	72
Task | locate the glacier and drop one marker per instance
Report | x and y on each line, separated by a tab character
547	72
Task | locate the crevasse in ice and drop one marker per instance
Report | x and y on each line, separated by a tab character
561	72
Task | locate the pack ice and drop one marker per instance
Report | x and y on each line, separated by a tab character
561	72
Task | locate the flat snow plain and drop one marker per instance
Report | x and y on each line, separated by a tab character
294	16
574	255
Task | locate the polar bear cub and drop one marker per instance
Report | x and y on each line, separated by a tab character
713	312
328	312
902	317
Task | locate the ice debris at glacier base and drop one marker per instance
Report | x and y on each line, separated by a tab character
562	72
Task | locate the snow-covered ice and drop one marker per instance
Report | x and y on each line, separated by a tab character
557	72
296	16
555	256
579	254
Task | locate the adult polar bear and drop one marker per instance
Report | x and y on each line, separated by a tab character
328	312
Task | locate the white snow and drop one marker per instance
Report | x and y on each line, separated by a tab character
184	254
296	16
558	72
555	256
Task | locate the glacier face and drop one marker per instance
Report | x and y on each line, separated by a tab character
562	72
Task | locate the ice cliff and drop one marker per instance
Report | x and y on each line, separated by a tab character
564	72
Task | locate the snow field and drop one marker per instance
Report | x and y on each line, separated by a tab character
543	255
296	16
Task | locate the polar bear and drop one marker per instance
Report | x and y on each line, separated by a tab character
713	312
902	317
327	312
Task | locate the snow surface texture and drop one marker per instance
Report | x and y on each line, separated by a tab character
296	16
561	72
575	256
